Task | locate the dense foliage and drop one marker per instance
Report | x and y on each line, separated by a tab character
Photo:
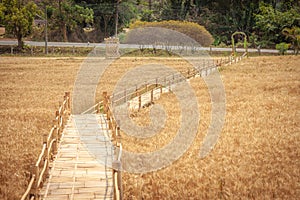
262	20
17	17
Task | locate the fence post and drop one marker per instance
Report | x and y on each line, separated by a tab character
160	87
104	95
152	96
108	113
37	175
140	101
68	95
57	119
55	144
45	138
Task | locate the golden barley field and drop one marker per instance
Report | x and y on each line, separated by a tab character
31	89
256	157
257	154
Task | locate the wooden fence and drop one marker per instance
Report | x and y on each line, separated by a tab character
105	107
50	142
207	67
49	149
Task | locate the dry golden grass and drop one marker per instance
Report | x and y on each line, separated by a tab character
30	91
257	155
119	68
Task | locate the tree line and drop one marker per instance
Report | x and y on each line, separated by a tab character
265	22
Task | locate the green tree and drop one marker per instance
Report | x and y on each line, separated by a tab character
127	12
270	22
104	15
282	47
294	35
176	9
68	16
17	16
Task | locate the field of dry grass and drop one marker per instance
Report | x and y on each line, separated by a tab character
30	91
257	155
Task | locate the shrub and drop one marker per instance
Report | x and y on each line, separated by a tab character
191	29
282	47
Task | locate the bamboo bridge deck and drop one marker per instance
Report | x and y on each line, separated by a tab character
76	172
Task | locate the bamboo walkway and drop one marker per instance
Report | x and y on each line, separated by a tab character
81	169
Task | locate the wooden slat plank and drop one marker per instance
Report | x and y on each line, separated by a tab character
75	170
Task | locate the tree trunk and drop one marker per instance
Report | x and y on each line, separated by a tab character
64	29
20	42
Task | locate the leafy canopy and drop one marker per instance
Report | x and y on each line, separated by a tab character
17	17
270	22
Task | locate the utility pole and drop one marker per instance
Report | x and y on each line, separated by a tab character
117	18
46	31
45	19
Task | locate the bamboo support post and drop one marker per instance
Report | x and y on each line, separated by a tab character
140	102
151	96
105	102
68	95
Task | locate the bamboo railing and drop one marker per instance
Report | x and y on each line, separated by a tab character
105	107
50	142
49	149
207	67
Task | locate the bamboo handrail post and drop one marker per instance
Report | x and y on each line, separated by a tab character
60	108
68	94
37	174
105	102
151	96
45	137
140	101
